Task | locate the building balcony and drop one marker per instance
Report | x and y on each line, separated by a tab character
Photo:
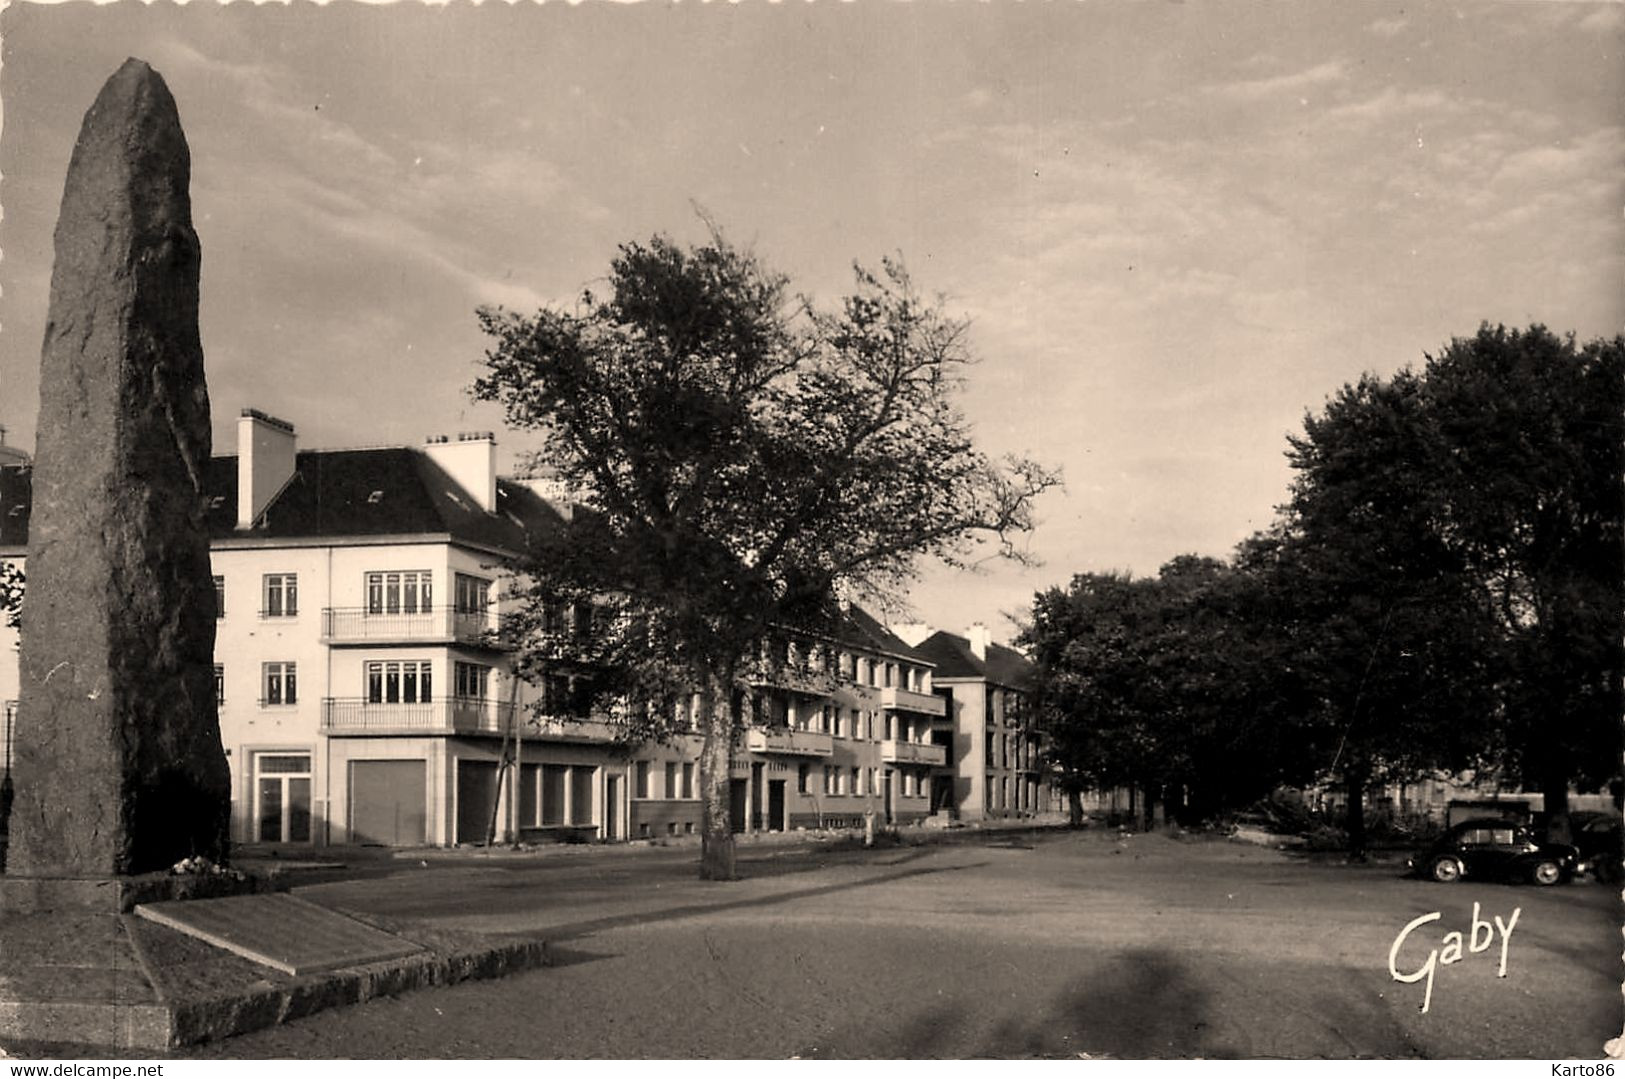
432	625
789	743
895	752
801	680
459	715
906	700
557	729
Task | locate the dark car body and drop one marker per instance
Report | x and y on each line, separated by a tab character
1495	849
1598	836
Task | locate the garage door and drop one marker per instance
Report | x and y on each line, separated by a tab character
387	802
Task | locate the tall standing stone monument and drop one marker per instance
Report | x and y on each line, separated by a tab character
119	767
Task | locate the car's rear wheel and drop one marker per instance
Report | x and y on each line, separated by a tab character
1445	870
1545	872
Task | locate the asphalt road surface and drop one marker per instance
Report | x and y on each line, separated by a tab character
1063	945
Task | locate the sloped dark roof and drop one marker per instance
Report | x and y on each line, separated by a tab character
859	627
339	493
954	659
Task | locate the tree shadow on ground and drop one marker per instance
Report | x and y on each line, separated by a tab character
571	930
1142	1005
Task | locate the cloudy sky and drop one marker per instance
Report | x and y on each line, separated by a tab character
1175	226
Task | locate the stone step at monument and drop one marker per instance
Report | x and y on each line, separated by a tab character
281	931
106	984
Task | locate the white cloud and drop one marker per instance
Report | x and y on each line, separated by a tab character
1329	73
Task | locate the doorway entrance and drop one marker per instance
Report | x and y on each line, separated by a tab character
282	798
775	806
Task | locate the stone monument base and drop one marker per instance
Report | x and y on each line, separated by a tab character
119	895
75	980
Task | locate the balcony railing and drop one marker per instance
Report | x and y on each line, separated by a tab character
456	715
797	679
570	730
363	625
906	700
895	752
789	743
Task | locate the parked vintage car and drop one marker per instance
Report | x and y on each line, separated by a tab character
1602	848
1495	849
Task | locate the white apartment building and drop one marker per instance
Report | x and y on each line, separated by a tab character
365	697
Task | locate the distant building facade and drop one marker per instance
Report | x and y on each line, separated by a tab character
994	769
366	695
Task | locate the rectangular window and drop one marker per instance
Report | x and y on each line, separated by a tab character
801	779
857	781
554	779
840	723
281	595
688	779
671	780
530	789
582	782
399	592
472	594
471	681
641	784
395	682
219	596
219	684
857	729
281	684
553	616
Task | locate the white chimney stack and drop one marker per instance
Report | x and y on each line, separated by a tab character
911	633
979	637
265	462
472	461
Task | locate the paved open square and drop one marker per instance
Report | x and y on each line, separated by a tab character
1015	945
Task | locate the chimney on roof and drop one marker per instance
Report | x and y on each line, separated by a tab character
471	460
911	633
979	637
265	461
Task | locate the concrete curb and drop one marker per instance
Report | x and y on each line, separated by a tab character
228	1014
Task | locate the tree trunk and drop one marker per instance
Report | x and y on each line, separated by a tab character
717	837
1148	808
1356	779
1554	789
1074	807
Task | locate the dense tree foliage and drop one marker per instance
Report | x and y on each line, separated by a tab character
739	461
1530	463
1444	588
1163	685
11	593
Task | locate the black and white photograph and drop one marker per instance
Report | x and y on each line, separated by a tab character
1080	531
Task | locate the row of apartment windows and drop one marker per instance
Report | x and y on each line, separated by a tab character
1015	706
679	782
998	793
858	724
859	782
854	668
393	682
387	592
1010	751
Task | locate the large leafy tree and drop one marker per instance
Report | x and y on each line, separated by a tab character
740	460
1530	463
1390	635
1169	685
